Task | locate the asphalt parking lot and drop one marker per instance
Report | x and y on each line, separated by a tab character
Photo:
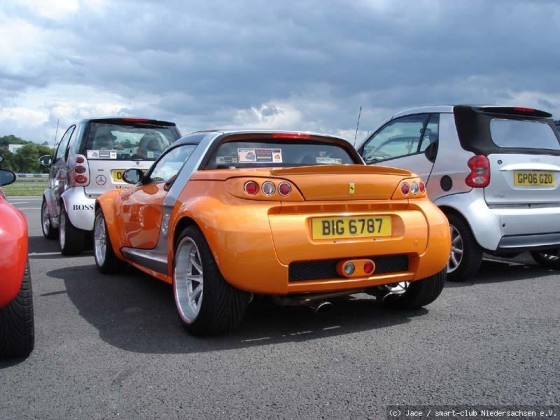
113	347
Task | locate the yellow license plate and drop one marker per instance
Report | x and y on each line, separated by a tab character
117	175
534	179
350	227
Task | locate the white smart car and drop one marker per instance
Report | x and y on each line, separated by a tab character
494	171
89	160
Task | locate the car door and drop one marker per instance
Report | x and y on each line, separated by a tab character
58	174
408	142
142	205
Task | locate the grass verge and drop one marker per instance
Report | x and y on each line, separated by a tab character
26	187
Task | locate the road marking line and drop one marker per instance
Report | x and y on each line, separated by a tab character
33	254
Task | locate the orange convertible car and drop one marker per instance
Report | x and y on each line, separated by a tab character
225	215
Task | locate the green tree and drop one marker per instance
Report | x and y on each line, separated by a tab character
26	158
11	139
7	155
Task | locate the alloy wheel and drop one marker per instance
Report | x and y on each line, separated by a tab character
100	240
46	222
188	281
457	250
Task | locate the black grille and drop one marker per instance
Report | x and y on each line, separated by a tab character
326	269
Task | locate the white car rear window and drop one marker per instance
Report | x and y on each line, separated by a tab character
523	134
127	142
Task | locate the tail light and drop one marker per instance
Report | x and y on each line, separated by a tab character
284	189
411	188
268	188
479	177
264	189
251	187
80	172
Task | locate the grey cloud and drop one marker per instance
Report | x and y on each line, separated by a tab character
201	62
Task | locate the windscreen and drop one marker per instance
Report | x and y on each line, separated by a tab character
111	141
247	154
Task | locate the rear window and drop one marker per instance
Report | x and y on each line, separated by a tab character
486	130
247	154
109	141
523	134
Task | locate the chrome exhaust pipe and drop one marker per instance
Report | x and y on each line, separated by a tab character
321	307
311	299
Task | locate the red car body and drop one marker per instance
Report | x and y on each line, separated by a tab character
17	333
13	242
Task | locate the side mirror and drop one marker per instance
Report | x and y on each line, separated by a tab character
1	157
6	177
46	160
133	175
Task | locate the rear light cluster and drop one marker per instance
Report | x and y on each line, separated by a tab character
268	188
355	268
81	171
413	188
479	177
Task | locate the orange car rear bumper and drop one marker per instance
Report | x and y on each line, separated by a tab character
288	260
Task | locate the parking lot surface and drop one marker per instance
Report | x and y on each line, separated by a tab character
113	347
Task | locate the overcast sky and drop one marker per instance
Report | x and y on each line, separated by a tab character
299	65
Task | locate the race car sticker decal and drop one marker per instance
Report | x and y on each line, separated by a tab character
225	160
328	161
259	155
101	154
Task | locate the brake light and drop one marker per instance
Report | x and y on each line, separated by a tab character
405	188
480	172
409	189
528	110
414	187
284	189
291	136
81	170
268	188
251	187
135	119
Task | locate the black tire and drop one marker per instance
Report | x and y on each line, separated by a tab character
105	258
420	293
70	239
206	303
46	226
466	254
17	329
549	258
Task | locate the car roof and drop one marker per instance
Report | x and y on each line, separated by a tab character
424	109
451	108
212	138
127	120
197	136
266	131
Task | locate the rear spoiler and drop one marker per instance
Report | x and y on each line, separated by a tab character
527	112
